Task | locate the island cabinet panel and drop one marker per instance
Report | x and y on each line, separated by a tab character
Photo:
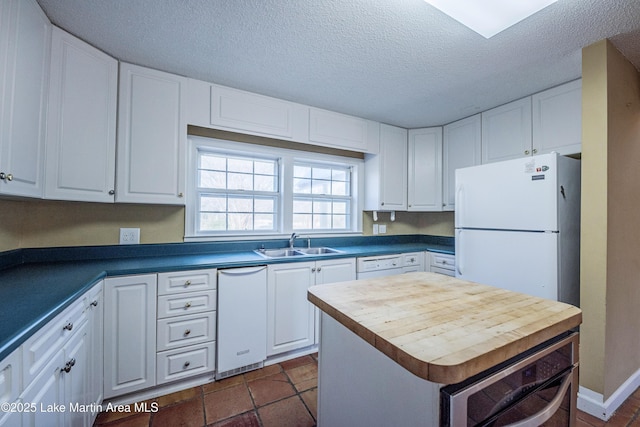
152	137
81	125
130	334
25	39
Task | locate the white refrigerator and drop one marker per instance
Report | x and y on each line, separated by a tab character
517	226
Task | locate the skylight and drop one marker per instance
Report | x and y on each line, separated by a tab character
489	17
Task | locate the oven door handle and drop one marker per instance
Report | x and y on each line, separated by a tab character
548	411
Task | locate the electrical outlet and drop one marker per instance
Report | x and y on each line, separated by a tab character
129	236
375	228
383	228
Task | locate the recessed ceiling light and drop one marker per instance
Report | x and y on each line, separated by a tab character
489	17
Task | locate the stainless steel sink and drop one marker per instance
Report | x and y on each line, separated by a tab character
279	253
288	252
319	251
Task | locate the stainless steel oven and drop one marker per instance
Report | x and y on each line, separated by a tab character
538	388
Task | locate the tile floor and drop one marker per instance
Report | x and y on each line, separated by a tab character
280	395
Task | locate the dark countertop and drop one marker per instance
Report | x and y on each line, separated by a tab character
37	284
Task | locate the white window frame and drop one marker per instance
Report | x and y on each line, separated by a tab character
284	218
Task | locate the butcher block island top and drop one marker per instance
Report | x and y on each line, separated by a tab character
440	328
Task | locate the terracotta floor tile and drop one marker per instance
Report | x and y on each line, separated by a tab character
227	402
269	389
225	383
248	419
262	372
298	361
179	396
110	416
135	420
304	377
310	398
590	419
290	412
185	414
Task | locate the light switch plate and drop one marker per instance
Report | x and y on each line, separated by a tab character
383	228
129	236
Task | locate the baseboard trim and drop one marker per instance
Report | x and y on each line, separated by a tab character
593	403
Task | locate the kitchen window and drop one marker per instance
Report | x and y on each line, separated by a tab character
247	190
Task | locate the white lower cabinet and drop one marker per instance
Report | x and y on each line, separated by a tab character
130	334
11	386
291	318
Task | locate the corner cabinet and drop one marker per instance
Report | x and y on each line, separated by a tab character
425	170
25	37
81	129
152	136
385	177
461	146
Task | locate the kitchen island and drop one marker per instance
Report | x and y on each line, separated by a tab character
389	344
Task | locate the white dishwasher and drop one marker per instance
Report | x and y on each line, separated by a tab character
242	320
378	266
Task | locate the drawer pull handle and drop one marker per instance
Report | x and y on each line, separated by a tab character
94	303
186	364
68	326
187	283
187	305
67	367
187	332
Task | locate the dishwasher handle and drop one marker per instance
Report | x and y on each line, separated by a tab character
241	271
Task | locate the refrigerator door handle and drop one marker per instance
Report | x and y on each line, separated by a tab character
459	255
458	212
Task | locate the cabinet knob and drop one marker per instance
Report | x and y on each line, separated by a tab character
112	192
313	270
526	152
187	332
94	303
180	195
535	150
67	367
186	364
6	176
68	326
187	283
187	305
319	268
382	204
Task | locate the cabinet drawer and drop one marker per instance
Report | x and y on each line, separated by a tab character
447	262
186	330
41	346
186	281
413	259
184	362
10	374
187	303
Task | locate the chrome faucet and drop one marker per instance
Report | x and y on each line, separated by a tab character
292	239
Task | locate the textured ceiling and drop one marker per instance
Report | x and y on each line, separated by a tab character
400	62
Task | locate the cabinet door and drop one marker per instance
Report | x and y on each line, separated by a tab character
462	141
75	376
25	74
152	135
342	131
95	304
425	169
557	119
331	271
46	391
81	129
506	131
10	384
290	317
385	173
130	334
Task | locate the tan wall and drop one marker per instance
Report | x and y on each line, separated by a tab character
610	292
40	223
433	223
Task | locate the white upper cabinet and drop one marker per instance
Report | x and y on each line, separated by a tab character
152	135
506	131
386	172
342	131
557	119
25	34
462	142
81	126
425	169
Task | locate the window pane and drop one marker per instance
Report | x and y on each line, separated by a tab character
210	179
322	207
302	171
339	222
264	205
264	222
302	221
239	181
240	221
339	188
240	165
240	204
339	175
321	173
302	206
213	203
264	168
265	183
210	161
321	187
213	222
321	221
340	207
302	186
